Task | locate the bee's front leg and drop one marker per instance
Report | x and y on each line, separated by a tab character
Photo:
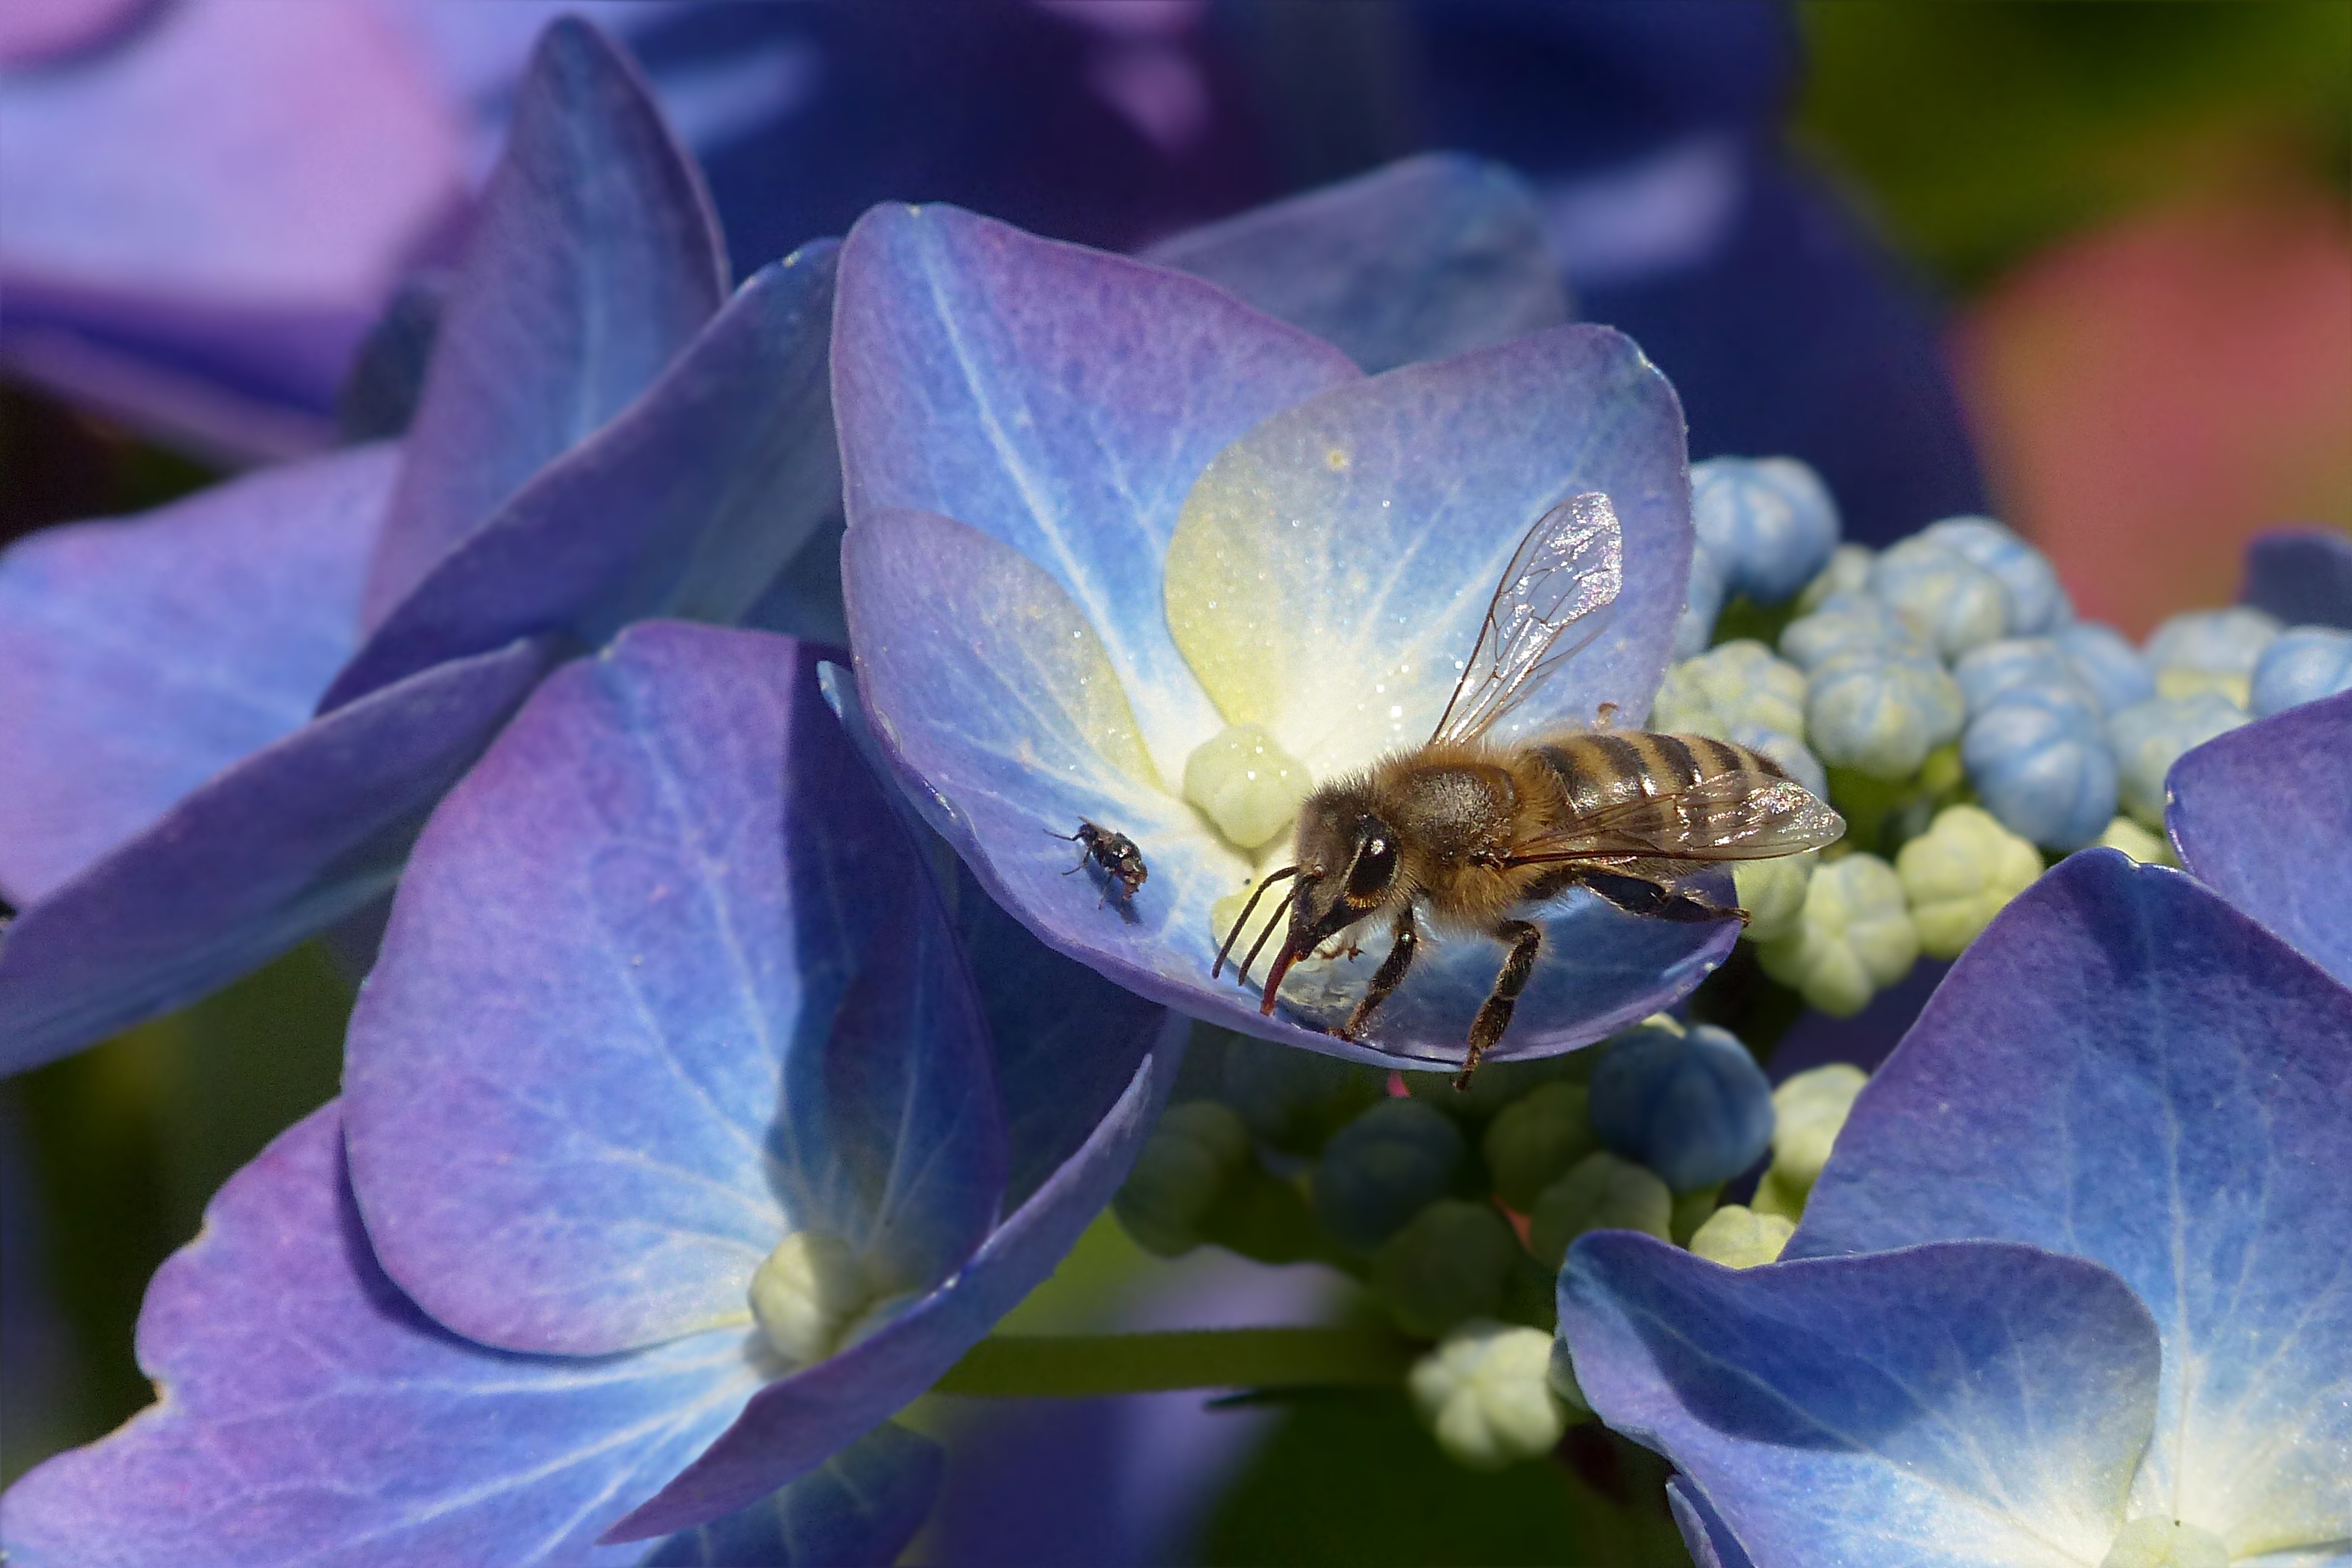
1385	979
1495	1014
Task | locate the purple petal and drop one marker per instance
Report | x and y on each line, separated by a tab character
999	711
1429	256
594	259
146	656
1709	1542
687	504
279	847
309	1413
2263	817
860	1507
1976	1405
2125	1067
1333	566
795	1422
2304	576
597	1073
1062	401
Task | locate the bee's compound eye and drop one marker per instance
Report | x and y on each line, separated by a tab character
1374	870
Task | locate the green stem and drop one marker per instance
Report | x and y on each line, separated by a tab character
1080	1366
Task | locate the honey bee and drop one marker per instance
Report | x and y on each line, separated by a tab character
1121	861
1468	833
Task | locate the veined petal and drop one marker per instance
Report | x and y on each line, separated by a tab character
309	1414
1059	400
274	849
594	257
663	984
862	1506
146	656
2125	1067
1332	566
2263	815
1709	1543
795	1422
1428	257
1964	1405
687	504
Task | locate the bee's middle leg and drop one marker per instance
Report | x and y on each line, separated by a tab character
1494	1013
1385	979
1659	901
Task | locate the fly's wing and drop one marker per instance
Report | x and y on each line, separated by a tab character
1553	599
1729	817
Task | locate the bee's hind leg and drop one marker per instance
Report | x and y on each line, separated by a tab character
1385	979
1494	1013
1659	901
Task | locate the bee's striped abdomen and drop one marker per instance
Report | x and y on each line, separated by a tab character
1606	767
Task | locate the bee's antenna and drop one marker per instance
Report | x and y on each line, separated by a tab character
1247	910
1272	920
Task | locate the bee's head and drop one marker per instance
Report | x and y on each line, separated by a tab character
1348	867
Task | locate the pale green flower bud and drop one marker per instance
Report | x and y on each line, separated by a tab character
2157	1542
1599	1191
1535	1140
1854	937
2147	848
1199	1147
1741	682
1738	1237
1773	894
1808	1112
1959	874
1848	572
1246	784
806	1294
1561	1376
1485	1392
2149	737
1453	1263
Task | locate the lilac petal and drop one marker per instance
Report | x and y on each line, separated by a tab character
1333	566
572	1124
309	1413
1973	1405
997	708
2304	576
1062	401
2125	1067
860	1507
1429	256
274	849
794	1422
2263	815
594	259
1710	1545
146	656
687	504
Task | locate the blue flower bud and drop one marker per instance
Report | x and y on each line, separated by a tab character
2210	650
1951	601
1770	521
1383	1168
2302	665
1453	1263
2149	737
2035	602
1695	628
1881	712
2106	664
2010	665
1848	572
2040	761
1783	747
1692	1105
1844	623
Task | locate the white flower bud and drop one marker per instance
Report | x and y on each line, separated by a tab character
1487	1393
806	1294
1738	1237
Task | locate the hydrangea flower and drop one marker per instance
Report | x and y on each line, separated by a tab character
226	720
1122	550
2039	760
1947	599
1881	711
2071	1289
691	1133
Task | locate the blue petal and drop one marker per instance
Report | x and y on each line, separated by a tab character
2263	817
2125	1067
1428	257
2301	576
144	657
309	1413
794	1422
859	1508
277	848
593	258
573	1124
998	710
1710	1545
1062	401
1971	1405
687	504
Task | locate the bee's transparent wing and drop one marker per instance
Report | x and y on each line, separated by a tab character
1729	817
1554	598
